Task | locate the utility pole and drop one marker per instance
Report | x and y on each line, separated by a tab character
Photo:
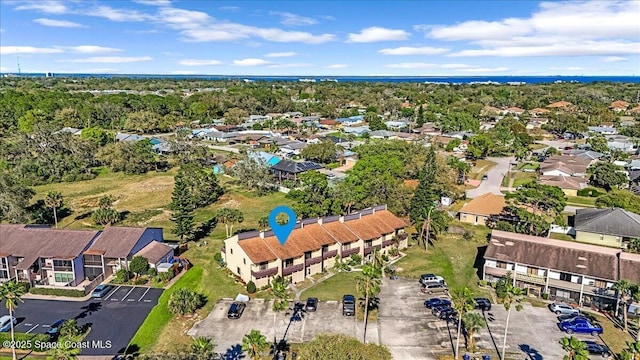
18	61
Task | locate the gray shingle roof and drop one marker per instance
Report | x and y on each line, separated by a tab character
294	167
616	221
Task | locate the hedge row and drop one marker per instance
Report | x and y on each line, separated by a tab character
26	341
57	292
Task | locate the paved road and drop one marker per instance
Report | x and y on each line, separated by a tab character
558	144
494	182
224	148
114	319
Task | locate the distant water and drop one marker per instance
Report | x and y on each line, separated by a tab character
384	79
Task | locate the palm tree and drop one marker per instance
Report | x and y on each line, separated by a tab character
263	222
624	295
576	349
511	296
62	351
254	344
632	352
11	293
369	285
378	262
202	346
279	291
229	217
473	323
463	302
54	200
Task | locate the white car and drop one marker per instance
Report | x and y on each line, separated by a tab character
560	308
5	323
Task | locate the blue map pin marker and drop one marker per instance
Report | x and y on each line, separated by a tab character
282	232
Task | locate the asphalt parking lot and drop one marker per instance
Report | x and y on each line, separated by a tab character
115	318
404	325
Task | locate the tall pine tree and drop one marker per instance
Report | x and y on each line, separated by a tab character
425	195
182	207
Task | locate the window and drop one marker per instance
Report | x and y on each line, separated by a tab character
532	271
368	243
4	274
501	265
244	261
263	266
239	272
3	263
63	277
288	263
565	277
307	255
346	247
231	251
62	265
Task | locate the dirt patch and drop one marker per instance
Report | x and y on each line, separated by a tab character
231	203
159	183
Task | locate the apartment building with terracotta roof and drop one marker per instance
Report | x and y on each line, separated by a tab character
313	246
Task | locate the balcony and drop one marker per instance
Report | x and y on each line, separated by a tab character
63	268
368	250
329	254
349	252
530	278
291	269
264	273
312	261
388	243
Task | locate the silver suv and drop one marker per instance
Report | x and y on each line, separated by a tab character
431	279
434	288
564	309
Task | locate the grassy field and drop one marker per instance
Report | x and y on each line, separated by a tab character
615	338
559	236
334	287
521	178
452	257
581	201
480	168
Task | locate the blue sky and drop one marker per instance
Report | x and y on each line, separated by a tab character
365	38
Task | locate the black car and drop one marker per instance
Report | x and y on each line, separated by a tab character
597	349
312	304
348	305
447	313
438	309
433	302
483	304
235	310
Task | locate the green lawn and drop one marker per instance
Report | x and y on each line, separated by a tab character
452	257
614	337
561	236
480	168
334	287
521	178
581	200
529	165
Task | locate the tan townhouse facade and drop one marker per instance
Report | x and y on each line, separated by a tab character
313	246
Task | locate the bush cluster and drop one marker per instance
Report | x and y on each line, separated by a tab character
57	292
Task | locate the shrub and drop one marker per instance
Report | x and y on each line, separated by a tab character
184	301
482	283
394	252
70	329
589	191
468	235
251	287
57	292
545	296
217	257
28	341
152	272
122	276
139	265
355	259
140	281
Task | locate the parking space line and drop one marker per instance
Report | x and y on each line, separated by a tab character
112	292
145	293
145	300
28	324
33	328
125	297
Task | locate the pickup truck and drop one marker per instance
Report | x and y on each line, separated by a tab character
580	326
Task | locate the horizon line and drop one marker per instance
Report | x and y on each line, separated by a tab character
320	76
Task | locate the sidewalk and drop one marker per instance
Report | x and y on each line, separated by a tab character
53	297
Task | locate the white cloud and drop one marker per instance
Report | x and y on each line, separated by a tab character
567	68
118	15
281	54
154	2
58	23
92	49
337	66
484	70
290	19
199	62
374	34
290	65
112	59
455	67
45	6
610	59
553	29
251	62
181	19
8	50
407	50
100	71
3	69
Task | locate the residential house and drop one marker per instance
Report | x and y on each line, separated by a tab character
265	158
128	137
78	259
603	130
565	165
429	129
634	164
383	134
560	105
220	136
478	210
69	130
329	124
569	184
293	148
566	270
397	125
259	118
351	121
289	169
606	227
620	143
538	112
587	154
313	246
513	110
634	111
356	130
619	106
156	253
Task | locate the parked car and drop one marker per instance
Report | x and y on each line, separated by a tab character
101	290
560	308
54	329
448	313
566	317
312	304
348	305
597	349
431	278
5	323
438	309
483	304
485	177
235	310
434	288
580	326
436	301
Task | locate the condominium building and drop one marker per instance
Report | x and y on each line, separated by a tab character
566	270
313	246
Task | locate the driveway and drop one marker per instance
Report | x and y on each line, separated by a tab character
114	319
495	176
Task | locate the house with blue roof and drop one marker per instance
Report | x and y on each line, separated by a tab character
264	157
